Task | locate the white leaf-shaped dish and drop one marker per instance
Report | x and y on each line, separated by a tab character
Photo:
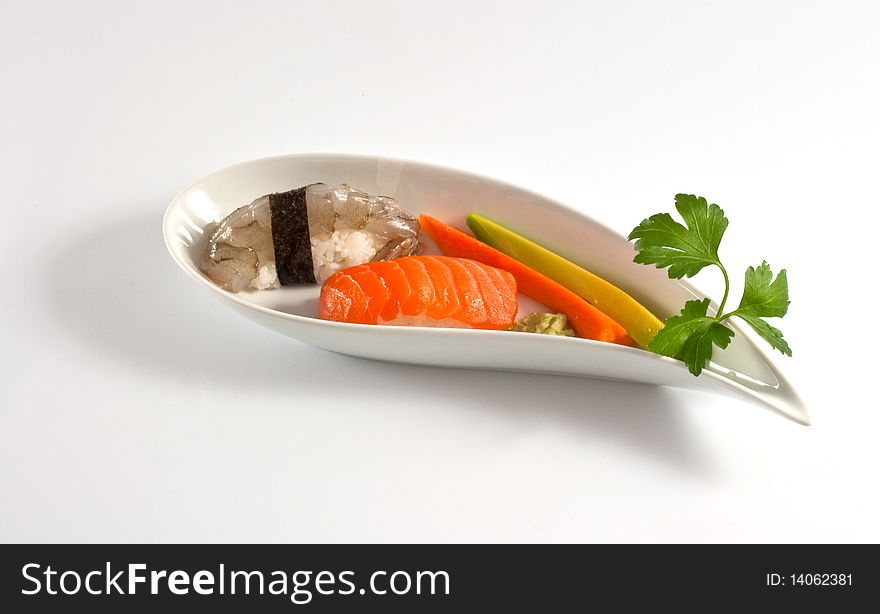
742	370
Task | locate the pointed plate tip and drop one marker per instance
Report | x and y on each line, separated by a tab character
780	398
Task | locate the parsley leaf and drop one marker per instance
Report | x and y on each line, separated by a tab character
765	297
691	335
685	250
662	241
771	334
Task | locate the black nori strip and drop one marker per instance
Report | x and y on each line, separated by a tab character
290	236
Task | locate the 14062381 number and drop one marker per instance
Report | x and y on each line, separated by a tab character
821	579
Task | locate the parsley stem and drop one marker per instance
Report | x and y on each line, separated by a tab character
718	314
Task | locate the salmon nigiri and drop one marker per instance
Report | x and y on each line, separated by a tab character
422	291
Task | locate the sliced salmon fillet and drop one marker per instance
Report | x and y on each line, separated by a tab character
422	291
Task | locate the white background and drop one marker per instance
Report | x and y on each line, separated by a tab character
136	408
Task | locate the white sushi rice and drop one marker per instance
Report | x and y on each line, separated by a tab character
267	277
424	320
341	249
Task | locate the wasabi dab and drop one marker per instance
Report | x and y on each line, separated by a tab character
544	324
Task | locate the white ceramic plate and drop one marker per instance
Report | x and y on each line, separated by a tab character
742	370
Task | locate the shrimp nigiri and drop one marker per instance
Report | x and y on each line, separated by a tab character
435	291
303	236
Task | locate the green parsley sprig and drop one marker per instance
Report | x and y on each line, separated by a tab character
685	250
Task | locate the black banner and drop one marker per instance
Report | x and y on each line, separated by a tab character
418	578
